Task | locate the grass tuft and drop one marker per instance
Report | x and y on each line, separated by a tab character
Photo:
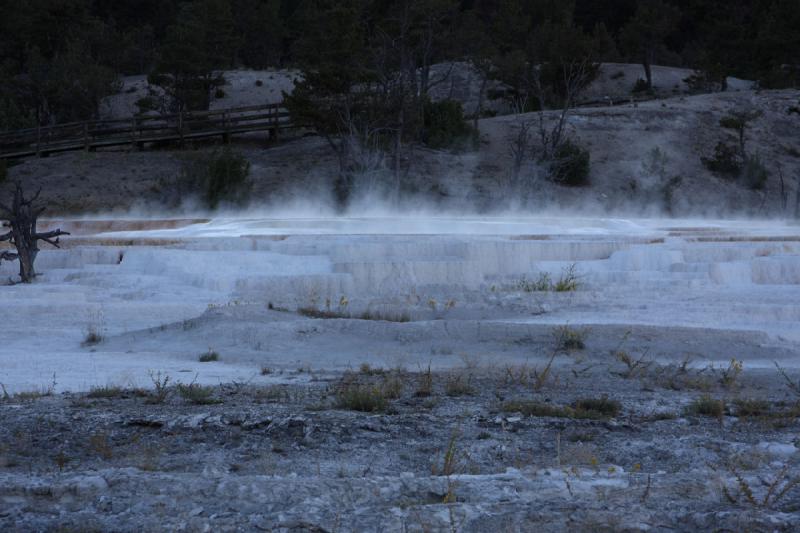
458	385
707	406
570	339
197	394
109	391
313	312
209	357
588	408
366	398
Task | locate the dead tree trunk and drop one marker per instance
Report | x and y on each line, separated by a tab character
22	217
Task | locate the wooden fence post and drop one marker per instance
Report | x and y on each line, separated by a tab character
133	133
274	131
180	127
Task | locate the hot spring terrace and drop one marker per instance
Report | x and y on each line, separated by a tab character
332	293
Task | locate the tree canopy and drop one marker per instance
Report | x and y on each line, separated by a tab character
58	58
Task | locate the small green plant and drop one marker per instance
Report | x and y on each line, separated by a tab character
633	367
656	163
541	378
775	490
569	280
725	161
458	385
221	176
543	283
425	384
589	408
160	387
101	444
197	394
570	339
367	398
793	385
739	121
754	173
445	126
313	312
752	408
570	165
393	384
384	317
640	86
30	395
94	327
209	356
273	393
707	406
109	391
731	374
92	338
604	407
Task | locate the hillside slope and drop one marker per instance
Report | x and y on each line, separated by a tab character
621	141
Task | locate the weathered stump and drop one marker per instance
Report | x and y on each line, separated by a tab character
22	217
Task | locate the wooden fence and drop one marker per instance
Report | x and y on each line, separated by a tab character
138	131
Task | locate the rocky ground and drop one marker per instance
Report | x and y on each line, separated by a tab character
597	441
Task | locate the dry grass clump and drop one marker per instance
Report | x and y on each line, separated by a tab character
160	387
569	281
424	384
100	444
313	312
394	383
29	395
774	491
272	393
209	357
459	385
793	386
570	339
752	408
587	408
604	406
197	394
366	398
109	391
706	406
730	376
370	390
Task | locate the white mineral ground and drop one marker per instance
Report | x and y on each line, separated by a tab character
161	292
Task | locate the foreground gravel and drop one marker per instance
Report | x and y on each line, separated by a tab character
474	449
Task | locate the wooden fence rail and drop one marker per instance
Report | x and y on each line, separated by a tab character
137	131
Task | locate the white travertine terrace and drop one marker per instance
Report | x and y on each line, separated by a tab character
163	291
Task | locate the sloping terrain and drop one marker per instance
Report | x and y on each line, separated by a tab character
621	140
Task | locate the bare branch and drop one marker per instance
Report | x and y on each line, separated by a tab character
31	200
50	235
